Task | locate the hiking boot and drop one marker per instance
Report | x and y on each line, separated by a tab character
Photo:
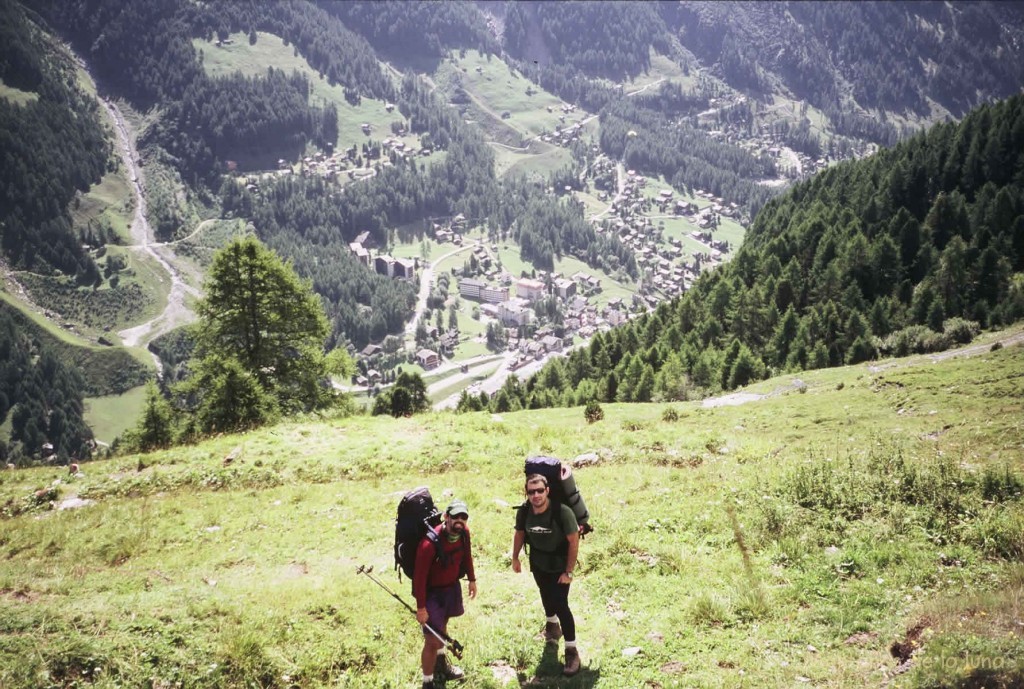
429	684
552	632
572	662
445	670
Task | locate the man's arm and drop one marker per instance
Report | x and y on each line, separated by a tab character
425	552
517	547
570	559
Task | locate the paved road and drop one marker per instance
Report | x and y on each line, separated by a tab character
426	282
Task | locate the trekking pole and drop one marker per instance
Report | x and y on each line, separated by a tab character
446	640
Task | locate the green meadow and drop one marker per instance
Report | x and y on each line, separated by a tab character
790	540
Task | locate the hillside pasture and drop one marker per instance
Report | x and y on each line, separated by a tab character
105	370
498	89
140	294
16	96
108	204
270	51
111	415
787	541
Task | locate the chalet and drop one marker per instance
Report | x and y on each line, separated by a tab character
361	254
528	289
364	239
615	317
384	265
373	376
515	312
371	350
565	288
428	359
551	343
405	268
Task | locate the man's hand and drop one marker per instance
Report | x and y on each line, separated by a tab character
517	567
421	615
472	589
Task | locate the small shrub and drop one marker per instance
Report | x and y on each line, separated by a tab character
669	415
709	609
593	412
959	330
996	346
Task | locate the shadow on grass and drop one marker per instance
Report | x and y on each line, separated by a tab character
549	673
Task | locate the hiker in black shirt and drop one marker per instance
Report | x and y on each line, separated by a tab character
552	533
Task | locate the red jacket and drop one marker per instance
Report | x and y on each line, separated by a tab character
439	566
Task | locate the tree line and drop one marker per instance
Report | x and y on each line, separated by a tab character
911	250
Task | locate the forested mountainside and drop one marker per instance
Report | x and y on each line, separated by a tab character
890	56
52	146
906	251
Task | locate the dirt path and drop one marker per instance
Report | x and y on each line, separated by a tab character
176	312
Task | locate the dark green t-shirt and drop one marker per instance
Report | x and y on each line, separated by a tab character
546	536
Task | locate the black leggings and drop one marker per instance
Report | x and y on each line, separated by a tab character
555	598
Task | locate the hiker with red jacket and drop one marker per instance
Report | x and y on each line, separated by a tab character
440	563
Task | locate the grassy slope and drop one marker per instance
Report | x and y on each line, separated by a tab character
104	368
243	573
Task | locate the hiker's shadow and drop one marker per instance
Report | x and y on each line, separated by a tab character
549	673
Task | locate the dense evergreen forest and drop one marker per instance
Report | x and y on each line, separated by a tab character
52	146
910	250
400	28
42	397
604	39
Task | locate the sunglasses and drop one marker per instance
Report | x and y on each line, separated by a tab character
535	491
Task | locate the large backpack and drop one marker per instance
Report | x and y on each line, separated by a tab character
416	518
563	487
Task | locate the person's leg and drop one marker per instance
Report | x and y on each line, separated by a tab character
450	600
437	620
544	583
428	658
560	604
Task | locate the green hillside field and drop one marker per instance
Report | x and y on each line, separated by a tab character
788	541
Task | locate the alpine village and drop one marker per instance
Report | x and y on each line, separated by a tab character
746	277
